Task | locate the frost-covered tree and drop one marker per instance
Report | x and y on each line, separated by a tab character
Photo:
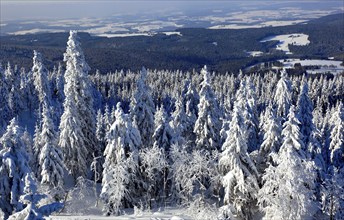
337	138
121	164
190	173
142	109
163	135
50	156
332	197
72	140
31	199
154	170
287	191
283	95
304	112
4	108
179	121
271	140
240	180
208	124
101	130
77	127
14	165
40	76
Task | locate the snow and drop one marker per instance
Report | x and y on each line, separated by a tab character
169	213
168	33
255	53
285	40
126	35
333	66
237	24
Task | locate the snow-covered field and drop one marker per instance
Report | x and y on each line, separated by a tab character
285	40
259	25
332	66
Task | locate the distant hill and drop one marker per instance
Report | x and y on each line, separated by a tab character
221	50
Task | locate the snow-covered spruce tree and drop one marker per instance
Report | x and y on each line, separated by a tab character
283	95
304	112
208	124
179	121
163	135
142	109
4	108
190	102
119	183
50	156
72	139
14	165
30	199
77	126
287	191
337	139
271	140
41	82
333	199
240	179
249	108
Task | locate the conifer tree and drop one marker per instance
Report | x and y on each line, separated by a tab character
121	164
142	109
163	136
14	166
208	124
271	140
304	112
41	82
77	126
283	95
287	191
240	179
50	157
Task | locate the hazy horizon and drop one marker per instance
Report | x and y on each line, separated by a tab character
34	10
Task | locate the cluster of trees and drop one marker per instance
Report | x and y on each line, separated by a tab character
271	144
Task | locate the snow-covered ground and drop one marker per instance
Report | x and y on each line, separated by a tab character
332	66
167	214
322	66
168	33
259	25
255	53
285	40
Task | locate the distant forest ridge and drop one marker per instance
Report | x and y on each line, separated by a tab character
221	50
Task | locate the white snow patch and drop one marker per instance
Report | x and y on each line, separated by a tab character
258	25
234	26
281	23
3	25
325	66
255	53
168	33
288	39
126	35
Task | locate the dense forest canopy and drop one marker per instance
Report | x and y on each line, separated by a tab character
229	145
